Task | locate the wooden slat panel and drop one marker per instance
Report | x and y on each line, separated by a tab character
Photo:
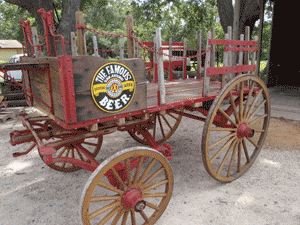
231	42
230	69
237	49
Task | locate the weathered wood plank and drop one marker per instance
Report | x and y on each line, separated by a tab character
73	44
199	58
130	43
80	34
207	65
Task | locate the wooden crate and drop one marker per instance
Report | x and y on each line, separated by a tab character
84	70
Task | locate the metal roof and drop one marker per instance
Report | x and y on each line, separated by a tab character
10	44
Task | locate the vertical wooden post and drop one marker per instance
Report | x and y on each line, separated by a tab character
212	56
241	53
80	34
154	47
130	43
184	60
247	38
199	58
161	80
207	65
230	63
122	48
73	44
170	60
253	59
95	44
35	41
138	54
225	77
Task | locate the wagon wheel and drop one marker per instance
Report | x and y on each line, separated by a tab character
142	194
162	126
229	148
91	145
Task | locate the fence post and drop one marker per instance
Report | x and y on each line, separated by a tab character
241	53
170	60
129	24
212	56
253	58
35	41
184	60
199	58
80	34
161	80
207	65
95	46
230	58
225	77
122	48
247	38
73	44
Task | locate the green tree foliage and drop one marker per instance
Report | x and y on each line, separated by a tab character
10	29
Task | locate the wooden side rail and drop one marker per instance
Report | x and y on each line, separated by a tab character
23	66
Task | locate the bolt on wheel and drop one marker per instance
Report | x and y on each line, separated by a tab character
133	186
235	128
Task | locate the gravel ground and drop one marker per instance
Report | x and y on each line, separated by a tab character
32	193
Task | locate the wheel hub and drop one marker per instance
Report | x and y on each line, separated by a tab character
244	131
133	198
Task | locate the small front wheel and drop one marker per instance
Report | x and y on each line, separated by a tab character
133	186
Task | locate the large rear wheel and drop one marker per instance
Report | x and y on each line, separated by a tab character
236	128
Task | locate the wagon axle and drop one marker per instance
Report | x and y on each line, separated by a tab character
245	131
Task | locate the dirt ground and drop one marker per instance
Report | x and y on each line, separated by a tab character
32	193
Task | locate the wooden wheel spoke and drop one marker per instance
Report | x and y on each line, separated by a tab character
245	150
64	164
138	170
109	187
167	122
220	141
241	100
232	157
254	102
227	117
222	149
152	177
132	213
105	198
144	216
226	156
154	195
161	127
256	120
147	170
62	152
80	156
176	118
152	206
115	173
125	217
104	209
154	128
128	171
239	157
249	95
110	215
256	110
234	107
252	142
155	185
92	144
118	216
223	129
259	130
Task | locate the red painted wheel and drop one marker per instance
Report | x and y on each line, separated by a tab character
72	150
140	195
235	128
161	126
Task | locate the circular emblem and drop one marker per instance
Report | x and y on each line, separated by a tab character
113	87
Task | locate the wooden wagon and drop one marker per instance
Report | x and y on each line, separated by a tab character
85	97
